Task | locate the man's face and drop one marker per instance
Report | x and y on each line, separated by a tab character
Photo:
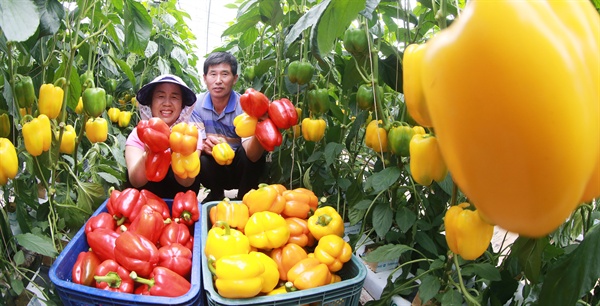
220	80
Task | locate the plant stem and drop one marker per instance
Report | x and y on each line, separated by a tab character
470	299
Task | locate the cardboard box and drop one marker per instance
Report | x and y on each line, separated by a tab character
367	245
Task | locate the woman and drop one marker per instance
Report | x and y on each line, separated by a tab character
170	99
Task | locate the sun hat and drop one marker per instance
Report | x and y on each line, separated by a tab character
144	95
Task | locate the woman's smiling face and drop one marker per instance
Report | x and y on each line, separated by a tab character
167	102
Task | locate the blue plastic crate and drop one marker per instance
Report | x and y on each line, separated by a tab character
346	292
74	294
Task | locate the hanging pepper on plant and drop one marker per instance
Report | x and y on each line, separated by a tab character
124	118
51	99
24	91
318	101
300	72
399	137
113	114
365	97
5	125
254	103
9	167
313	129
67	143
426	161
355	41
467	234
376	137
414	94
37	135
94	101
96	129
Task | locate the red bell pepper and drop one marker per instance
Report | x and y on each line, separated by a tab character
157	203
126	206
157	165
176	257
254	103
268	135
113	277
154	132
148	223
84	268
176	232
136	253
164	282
102	242
101	220
185	207
283	113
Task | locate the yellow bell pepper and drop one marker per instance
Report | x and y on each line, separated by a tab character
51	100
376	137
498	134
124	118
184	138
309	273
245	125
235	214
333	251
326	221
67	143
426	161
221	240
185	166
267	230
79	107
5	125
113	113
467	234
313	129
10	162
237	276
96	129
37	135
223	153
414	96
265	198
271	275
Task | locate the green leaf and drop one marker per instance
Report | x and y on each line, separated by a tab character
138	25
382	218
383	179
386	252
574	274
425	241
51	14
430	286
19	258
19	19
483	270
127	70
405	219
306	21
332	151
529	252
17	285
271	12
334	21
37	244
452	298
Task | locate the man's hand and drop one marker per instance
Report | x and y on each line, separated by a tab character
209	143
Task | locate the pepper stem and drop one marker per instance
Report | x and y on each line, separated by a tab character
141	280
324	220
211	265
111	278
224	225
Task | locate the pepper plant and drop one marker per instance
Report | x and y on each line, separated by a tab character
358	52
72	60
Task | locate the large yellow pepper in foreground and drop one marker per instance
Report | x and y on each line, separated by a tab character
516	107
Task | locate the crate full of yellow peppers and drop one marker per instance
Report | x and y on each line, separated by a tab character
277	247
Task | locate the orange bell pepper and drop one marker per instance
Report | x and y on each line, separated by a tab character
299	202
184	138
286	257
265	198
309	273
299	232
235	214
333	251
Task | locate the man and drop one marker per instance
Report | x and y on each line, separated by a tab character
216	109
